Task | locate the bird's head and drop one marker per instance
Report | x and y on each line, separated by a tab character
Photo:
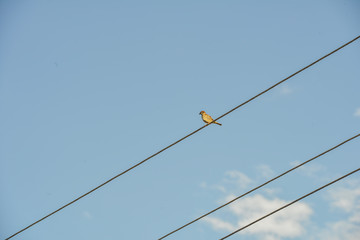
202	112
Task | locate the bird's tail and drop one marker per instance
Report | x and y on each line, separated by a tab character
218	123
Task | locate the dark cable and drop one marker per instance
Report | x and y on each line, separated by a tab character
285	206
287	78
136	165
260	186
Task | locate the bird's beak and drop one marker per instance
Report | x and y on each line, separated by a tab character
199	112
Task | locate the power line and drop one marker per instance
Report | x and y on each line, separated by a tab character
287	78
143	161
260	186
285	206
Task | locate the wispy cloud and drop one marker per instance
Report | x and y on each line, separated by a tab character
357	112
286	90
284	224
265	171
238	178
87	215
218	224
233	181
312	170
294	221
347	200
341	230
218	187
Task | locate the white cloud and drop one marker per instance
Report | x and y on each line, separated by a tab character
238	178
287	223
233	181
357	112
342	200
216	186
219	224
341	230
346	199
272	191
220	188
265	171
310	170
283	224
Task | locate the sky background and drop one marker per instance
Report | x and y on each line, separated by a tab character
90	88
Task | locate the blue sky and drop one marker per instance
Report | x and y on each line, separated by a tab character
90	88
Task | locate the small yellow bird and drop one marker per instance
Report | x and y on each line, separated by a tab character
207	118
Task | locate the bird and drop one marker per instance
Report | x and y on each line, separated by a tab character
207	118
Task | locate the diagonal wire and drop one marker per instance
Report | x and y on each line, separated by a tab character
143	161
285	206
278	83
260	186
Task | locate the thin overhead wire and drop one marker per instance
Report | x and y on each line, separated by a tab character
287	205
285	79
178	141
260	186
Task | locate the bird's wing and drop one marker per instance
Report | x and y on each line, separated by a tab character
208	118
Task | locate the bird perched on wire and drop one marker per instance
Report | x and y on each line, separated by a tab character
207	118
